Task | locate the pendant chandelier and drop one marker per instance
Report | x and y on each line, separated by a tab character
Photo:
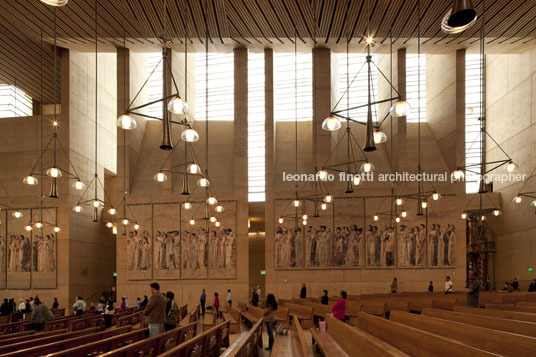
53	170
401	108
459	18
190	166
127	216
480	168
529	194
295	208
422	196
95	182
171	103
356	162
207	201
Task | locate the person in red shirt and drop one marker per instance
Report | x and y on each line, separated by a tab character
339	309
217	304
123	304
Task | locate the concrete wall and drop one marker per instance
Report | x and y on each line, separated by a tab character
85	250
511	118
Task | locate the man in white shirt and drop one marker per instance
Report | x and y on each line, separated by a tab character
448	286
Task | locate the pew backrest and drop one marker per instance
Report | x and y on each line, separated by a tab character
499	342
354	341
503	314
247	343
413	341
513	326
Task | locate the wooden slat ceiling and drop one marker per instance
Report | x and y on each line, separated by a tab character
510	24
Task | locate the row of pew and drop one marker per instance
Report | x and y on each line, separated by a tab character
392	325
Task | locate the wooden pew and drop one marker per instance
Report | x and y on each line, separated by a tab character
303	313
502	314
418	304
282	316
513	326
57	346
210	318
413	341
343	340
252	315
156	345
247	343
376	308
494	341
319	310
234	317
23	344
292	344
399	304
530	310
526	304
209	343
27	336
241	306
444	303
107	344
58	312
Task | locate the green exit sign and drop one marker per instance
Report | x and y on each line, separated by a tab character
263	272
530	269
115	274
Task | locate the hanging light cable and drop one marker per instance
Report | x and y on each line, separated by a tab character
125	120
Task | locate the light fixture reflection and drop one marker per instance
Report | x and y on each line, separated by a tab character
193	169
367	167
517	199
78	185
202	182
17	214
464	215
187	205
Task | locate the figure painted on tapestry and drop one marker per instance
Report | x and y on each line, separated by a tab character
19	253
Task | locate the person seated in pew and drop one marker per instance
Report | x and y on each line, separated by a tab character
507	288
28	307
324	299
109	313
269	318
55	304
431	286
394	286
123	304
339	309
216	304
515	284
138	303
254	297
532	286
172	312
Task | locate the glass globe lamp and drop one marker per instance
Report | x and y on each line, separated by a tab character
126	122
